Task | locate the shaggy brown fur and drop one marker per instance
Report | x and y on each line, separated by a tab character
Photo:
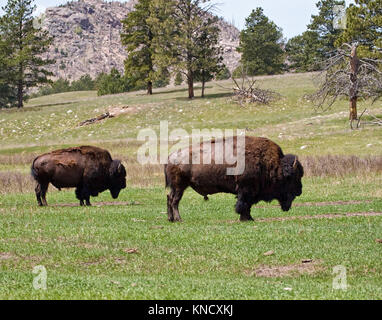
268	175
90	170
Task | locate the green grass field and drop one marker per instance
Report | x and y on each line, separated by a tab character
129	251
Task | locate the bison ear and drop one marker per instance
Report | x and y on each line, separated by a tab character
289	165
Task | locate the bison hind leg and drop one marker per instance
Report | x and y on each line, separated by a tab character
170	211
38	194
41	191
173	200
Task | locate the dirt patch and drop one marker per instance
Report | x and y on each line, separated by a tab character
286	271
92	262
6	256
321	204
98	204
315	217
322	216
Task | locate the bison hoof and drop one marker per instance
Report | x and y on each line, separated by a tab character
246	218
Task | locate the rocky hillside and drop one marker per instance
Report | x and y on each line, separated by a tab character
87	38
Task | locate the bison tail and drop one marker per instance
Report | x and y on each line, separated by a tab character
34	171
166	176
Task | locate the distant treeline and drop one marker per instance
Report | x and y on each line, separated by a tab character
104	84
111	83
182	37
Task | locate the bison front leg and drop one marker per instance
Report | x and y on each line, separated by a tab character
79	195
243	207
86	195
83	194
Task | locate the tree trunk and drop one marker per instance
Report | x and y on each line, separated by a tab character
150	88
190	79
353	109
353	94
20	95
203	88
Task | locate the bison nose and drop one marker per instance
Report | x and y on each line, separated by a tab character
286	207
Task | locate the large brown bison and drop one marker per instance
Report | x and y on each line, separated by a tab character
268	175
90	170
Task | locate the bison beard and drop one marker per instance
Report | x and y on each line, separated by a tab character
268	175
90	170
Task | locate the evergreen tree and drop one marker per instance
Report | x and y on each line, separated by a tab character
26	45
364	21
112	83
308	51
323	25
178	79
210	60
178	27
7	92
261	45
223	74
85	83
302	52
138	36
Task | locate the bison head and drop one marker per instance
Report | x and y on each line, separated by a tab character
117	178
291	186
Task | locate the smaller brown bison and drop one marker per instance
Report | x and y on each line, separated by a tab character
90	170
268	175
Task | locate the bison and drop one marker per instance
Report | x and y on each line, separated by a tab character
90	170
268	175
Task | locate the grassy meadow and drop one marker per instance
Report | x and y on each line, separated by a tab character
128	250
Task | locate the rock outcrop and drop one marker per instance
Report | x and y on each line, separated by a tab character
87	38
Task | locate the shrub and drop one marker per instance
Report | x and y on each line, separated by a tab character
178	79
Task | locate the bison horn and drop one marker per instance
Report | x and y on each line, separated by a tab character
119	167
295	163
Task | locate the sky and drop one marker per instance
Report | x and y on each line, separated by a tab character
291	15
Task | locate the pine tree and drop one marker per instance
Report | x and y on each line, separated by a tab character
261	45
223	74
7	92
26	45
308	51
364	21
178	79
178	26
210	60
138	36
324	25
302	52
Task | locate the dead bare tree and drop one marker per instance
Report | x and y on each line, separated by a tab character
346	75
246	91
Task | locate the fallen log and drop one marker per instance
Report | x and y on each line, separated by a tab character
103	116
